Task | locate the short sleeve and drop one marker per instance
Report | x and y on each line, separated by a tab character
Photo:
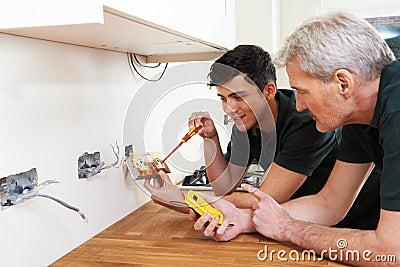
350	148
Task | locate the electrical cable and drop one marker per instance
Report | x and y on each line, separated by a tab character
117	155
29	194
132	64
85	219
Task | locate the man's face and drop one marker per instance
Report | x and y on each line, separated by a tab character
243	102
320	99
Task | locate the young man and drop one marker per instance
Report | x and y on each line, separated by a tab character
245	80
344	75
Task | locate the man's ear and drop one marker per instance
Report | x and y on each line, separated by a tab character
269	91
345	81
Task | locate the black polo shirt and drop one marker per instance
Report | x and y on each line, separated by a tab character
299	146
379	142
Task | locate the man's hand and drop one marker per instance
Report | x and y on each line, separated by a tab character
269	218
208	130
165	193
235	221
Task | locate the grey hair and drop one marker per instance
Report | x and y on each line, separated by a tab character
338	40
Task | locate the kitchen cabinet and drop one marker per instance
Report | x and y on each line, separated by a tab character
162	31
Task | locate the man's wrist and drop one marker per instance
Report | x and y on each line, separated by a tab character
212	145
214	138
294	231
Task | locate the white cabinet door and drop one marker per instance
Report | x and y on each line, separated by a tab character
207	20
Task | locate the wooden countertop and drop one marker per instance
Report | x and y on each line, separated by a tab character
156	236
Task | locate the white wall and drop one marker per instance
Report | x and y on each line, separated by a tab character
56	102
267	23
257	23
291	14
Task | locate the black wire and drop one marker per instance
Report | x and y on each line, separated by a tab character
150	80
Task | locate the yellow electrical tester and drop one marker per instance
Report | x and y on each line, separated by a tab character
199	205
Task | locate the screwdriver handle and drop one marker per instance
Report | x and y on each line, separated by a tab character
194	130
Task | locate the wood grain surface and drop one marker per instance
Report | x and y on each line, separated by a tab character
156	236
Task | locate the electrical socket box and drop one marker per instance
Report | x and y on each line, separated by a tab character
145	165
128	151
14	185
89	165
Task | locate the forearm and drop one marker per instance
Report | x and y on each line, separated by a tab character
216	165
241	200
332	203
214	158
309	209
355	247
314	209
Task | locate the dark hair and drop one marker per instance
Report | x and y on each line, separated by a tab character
251	60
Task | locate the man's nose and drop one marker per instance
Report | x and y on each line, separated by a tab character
300	106
231	106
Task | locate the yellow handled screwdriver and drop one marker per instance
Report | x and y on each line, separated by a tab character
194	130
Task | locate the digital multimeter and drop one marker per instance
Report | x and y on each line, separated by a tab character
199	205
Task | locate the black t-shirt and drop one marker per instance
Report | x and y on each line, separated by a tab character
299	146
379	142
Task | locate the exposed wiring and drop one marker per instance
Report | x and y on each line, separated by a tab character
29	194
132	58
90	164
97	169
116	163
117	155
85	219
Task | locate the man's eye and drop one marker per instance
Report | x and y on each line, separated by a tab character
223	99
238	97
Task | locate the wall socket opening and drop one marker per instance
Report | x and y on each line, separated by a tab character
12	186
89	165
